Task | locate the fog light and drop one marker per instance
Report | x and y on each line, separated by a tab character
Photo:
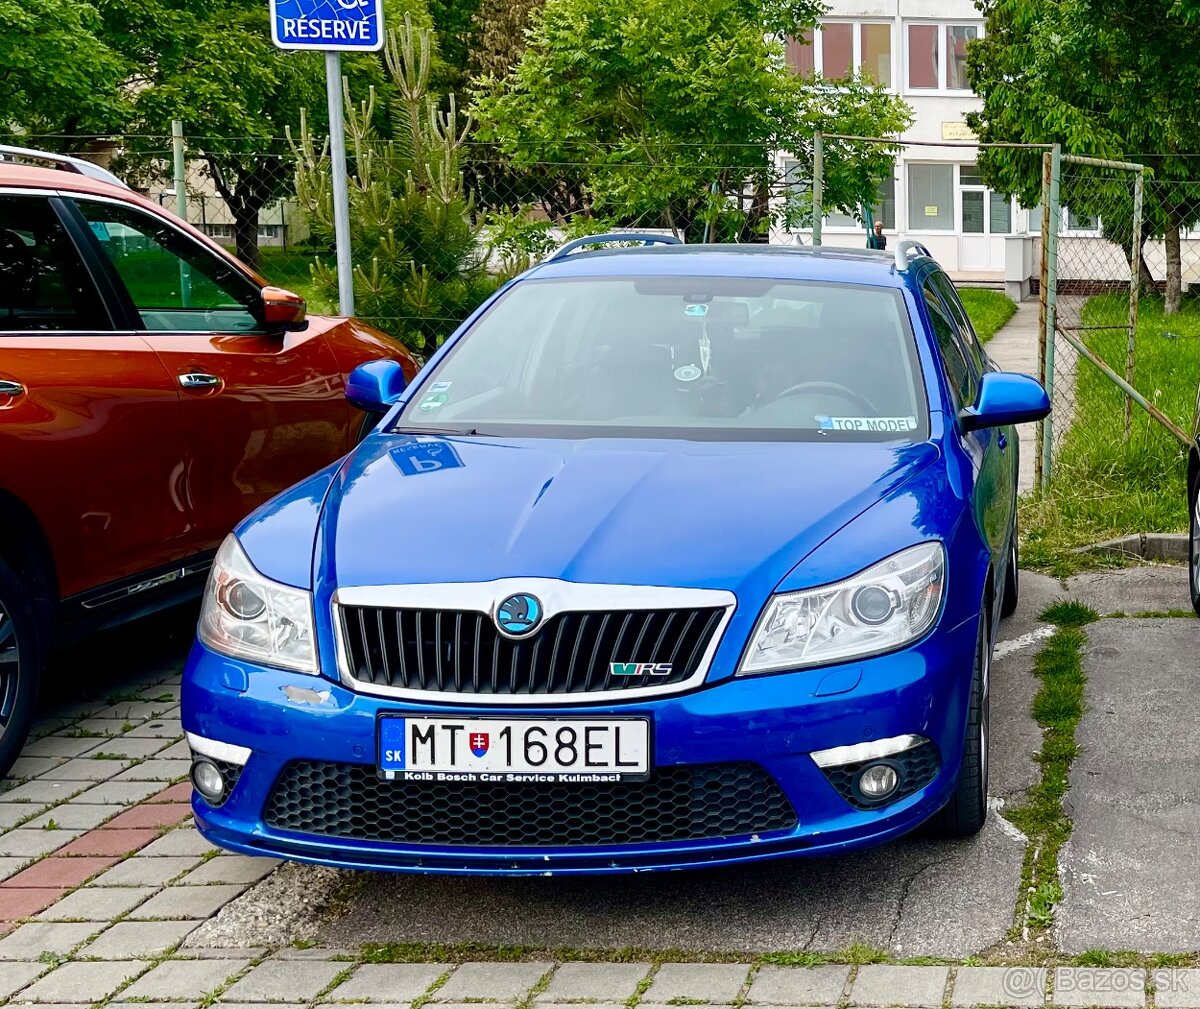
209	781
878	781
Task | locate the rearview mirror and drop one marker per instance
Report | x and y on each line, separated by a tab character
1006	398
283	309
375	386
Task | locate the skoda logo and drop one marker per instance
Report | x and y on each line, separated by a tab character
519	614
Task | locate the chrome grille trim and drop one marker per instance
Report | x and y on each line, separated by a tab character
556	596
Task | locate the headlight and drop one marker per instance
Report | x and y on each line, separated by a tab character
880	609
251	617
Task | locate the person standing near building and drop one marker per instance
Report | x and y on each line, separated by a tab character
877	240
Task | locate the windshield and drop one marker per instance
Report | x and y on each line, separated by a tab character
694	357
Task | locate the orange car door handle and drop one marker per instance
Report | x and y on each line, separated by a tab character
198	380
8	388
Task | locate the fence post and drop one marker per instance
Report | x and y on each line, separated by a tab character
818	186
1051	216
1135	283
179	157
1045	231
179	151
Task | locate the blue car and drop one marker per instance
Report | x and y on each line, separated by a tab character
671	556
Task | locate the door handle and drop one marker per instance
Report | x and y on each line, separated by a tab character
198	380
8	388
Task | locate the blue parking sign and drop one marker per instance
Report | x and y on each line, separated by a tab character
330	25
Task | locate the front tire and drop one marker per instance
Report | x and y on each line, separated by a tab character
966	811
1012	581
1194	544
18	667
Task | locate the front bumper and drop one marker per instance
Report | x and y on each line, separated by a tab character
773	722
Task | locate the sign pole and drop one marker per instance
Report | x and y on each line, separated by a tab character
341	193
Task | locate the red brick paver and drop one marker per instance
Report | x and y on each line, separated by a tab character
21	902
181	792
109	842
58	873
146	815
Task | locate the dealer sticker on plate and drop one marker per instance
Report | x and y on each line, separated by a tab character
504	749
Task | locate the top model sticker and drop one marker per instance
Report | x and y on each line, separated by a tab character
866	423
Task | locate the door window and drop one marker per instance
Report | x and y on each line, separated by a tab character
974	349
43	285
175	284
959	370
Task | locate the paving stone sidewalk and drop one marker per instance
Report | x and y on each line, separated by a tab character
308	978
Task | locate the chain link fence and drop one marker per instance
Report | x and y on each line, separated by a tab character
1121	332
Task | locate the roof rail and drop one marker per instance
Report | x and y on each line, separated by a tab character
904	248
646	238
64	161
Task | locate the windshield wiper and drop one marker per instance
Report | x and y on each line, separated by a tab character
414	429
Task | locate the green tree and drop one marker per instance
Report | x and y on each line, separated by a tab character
1114	79
421	265
58	74
673	111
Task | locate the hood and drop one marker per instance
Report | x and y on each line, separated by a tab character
736	516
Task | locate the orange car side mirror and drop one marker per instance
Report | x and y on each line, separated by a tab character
283	309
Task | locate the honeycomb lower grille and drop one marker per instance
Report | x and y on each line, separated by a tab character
675	804
917	768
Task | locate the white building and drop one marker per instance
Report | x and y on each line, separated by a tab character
917	49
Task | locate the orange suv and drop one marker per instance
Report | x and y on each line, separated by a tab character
153	390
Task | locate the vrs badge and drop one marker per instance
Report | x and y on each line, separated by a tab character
479	743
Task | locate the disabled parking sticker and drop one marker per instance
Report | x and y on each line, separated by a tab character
866	423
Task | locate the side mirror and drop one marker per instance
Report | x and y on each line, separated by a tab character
283	309
1006	398
375	386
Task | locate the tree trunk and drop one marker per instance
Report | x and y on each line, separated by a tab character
1174	271
245	233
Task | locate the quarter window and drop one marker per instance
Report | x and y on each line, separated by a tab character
43	285
175	284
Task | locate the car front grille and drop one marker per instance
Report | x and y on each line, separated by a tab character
573	652
674	804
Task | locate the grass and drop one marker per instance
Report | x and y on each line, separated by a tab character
1057	707
988	310
1102	485
293	270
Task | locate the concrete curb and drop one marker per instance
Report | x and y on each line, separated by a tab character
1165	548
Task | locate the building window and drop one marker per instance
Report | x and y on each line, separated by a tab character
220	231
268	231
884	209
838	48
930	197
937	56
1082	222
984	212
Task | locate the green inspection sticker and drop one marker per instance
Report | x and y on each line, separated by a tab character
433	402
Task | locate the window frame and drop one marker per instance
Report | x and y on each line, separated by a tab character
123	308
818	46
60	210
943	26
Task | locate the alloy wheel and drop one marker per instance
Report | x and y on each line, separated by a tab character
10	668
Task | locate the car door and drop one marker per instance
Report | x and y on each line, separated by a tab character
261	409
88	415
988	447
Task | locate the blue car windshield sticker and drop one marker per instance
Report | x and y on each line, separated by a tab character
900	424
697	310
433	401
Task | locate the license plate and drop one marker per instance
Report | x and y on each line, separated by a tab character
504	749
